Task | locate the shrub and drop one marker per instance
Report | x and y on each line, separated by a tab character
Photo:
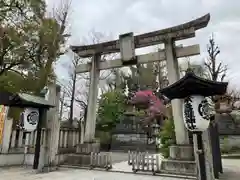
167	137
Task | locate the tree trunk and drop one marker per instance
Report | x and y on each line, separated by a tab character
72	99
61	107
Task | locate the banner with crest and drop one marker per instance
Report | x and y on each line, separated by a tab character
30	119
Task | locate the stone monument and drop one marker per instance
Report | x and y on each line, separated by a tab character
129	135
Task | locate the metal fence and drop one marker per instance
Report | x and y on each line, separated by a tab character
143	161
101	160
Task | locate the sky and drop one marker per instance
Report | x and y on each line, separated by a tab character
114	17
139	16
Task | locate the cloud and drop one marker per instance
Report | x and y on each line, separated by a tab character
140	16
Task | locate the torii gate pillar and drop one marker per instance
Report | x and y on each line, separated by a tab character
182	137
92	100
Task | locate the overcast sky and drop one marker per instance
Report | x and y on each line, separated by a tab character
139	16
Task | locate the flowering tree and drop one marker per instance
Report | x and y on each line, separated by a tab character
155	108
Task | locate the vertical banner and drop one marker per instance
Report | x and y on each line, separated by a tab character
30	119
3	110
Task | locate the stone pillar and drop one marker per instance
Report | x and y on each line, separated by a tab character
92	99
7	130
49	149
53	123
173	76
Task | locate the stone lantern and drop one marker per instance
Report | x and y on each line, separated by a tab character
193	90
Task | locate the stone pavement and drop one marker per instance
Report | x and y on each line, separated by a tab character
231	169
231	172
15	173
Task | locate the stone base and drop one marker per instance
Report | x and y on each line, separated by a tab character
87	148
181	152
78	160
47	169
179	167
82	157
181	161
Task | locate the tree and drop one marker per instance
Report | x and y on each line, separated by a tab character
30	43
18	20
76	85
215	70
49	45
73	87
111	106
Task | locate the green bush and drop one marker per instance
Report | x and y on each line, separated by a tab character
167	137
226	148
104	137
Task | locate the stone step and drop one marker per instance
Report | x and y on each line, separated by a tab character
179	167
149	148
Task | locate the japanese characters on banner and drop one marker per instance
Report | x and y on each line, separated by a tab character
3	112
30	119
196	113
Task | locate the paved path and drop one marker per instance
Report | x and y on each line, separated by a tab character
231	169
73	174
231	172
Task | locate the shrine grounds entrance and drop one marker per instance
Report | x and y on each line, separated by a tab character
136	157
89	152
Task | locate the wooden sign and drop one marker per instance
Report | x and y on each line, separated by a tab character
183	31
127	47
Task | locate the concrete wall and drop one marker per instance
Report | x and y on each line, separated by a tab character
12	159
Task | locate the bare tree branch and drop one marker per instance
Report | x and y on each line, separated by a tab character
216	71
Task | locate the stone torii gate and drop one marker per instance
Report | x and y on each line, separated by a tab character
126	46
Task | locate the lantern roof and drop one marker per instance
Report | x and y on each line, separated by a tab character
23	100
191	84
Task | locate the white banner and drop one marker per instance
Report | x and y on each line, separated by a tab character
196	113
30	119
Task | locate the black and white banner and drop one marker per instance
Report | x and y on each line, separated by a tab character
196	113
31	118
